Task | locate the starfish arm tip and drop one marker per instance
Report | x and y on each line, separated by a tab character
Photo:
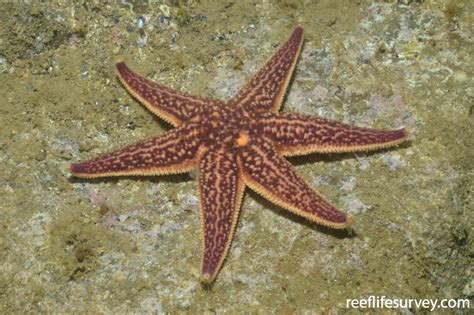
400	135
207	278
299	28
120	66
346	224
77	170
405	132
72	168
351	220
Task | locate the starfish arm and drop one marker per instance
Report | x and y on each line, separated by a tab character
220	191
275	179
174	152
295	134
170	105
266	89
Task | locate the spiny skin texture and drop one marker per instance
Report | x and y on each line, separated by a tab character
236	144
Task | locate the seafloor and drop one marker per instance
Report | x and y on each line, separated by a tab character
133	244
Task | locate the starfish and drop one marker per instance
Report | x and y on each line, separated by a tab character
235	144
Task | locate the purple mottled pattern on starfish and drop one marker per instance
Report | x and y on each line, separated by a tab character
236	144
265	91
298	134
220	190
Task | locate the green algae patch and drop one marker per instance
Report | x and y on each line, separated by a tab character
77	242
26	31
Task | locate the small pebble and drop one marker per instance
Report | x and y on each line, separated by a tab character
123	217
165	10
469	289
460	76
141	22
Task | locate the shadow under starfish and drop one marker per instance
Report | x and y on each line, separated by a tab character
234	144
